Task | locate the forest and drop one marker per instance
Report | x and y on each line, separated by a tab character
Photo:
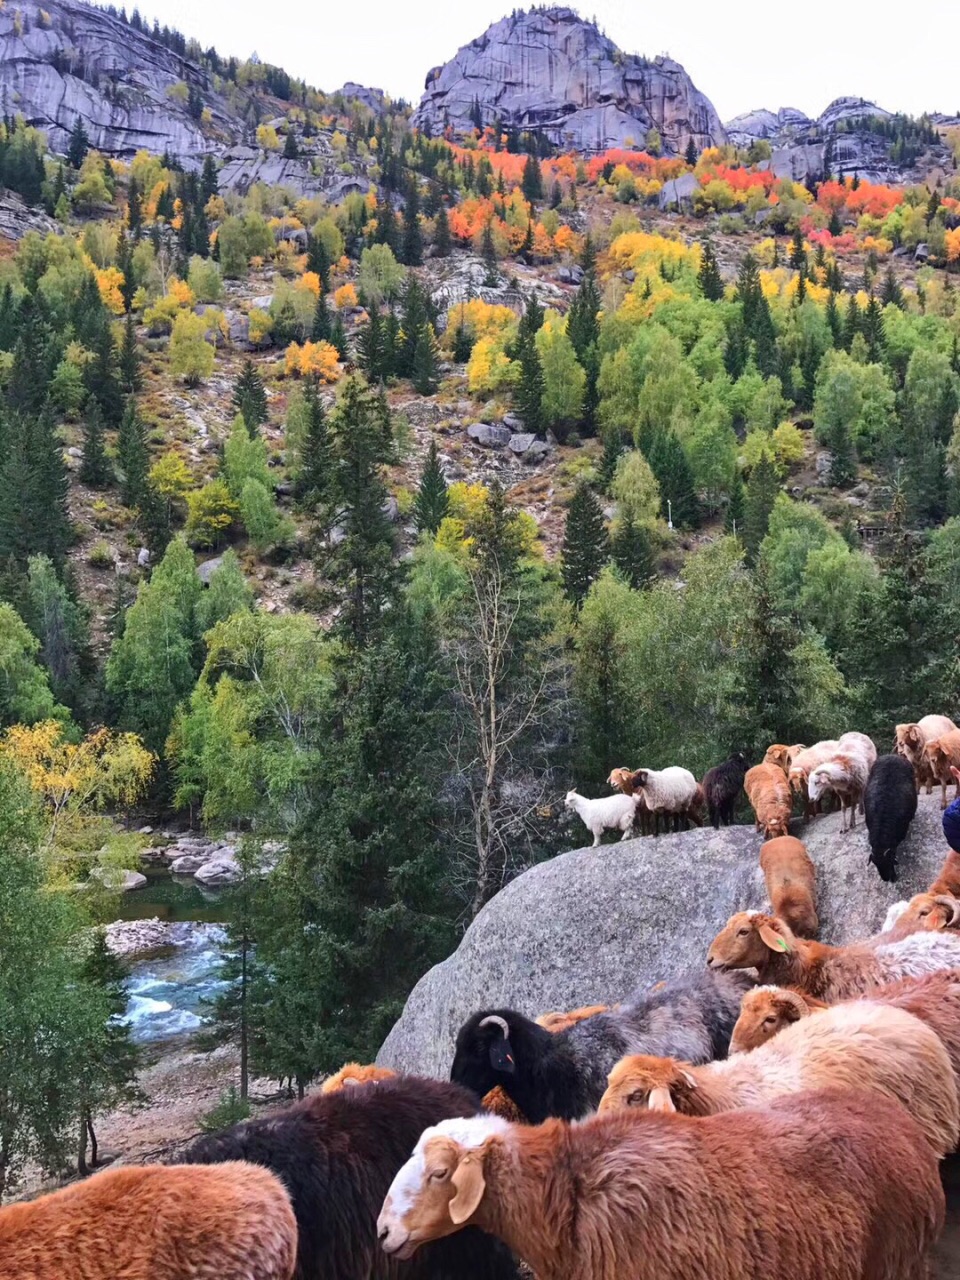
440	673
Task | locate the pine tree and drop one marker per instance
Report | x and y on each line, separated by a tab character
370	348
415	314
462	344
764	336
318	261
531	183
733	519
585	544
528	396
102	375
209	184
125	264
132	455
852	323
425	372
387	231
290	149
832	314
843	461
556	195
441	234
432	501
892	292
94	467
631	549
583	327
612	449
79	144
313	480
798	254
749	291
338	337
488	253
873	330
690	155
412	244
134	208
131	379
250	397
736	351
711	282
670	465
761	493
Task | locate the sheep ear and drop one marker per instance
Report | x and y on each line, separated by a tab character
470	1184
691	1083
661	1099
772	939
501	1056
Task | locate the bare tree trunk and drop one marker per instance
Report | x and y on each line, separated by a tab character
94	1144
82	1168
244	1033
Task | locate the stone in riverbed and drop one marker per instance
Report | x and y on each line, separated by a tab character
113	878
128	938
188	863
220	870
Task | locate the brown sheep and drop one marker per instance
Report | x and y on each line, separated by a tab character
768	793
857	1045
622	780
560	1021
948	879
752	940
780	755
668	1197
353	1073
935	1000
174	1222
941	758
791	881
924	912
911	739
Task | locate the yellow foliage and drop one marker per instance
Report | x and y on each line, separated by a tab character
639	249
880	245
109	282
952	242
181	293
481	320
170	476
261	324
106	768
467	501
489	368
215	208
267	137
345	296
310	282
313	360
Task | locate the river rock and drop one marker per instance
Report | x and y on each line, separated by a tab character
188	863
219	870
129	938
488	435
552	70
118	880
593	925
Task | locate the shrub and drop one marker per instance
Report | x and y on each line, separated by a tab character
210	513
101	557
230	1110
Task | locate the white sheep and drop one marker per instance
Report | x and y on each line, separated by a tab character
672	790
609	813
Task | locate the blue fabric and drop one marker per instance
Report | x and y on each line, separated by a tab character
951	825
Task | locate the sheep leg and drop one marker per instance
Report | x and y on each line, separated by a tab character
853	814
596	839
943	794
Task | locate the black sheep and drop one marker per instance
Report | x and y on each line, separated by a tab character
564	1073
889	804
337	1154
722	786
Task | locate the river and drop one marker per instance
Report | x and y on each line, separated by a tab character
166	989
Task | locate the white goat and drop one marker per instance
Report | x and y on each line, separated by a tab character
609	813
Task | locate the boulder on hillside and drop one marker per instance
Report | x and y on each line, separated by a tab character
593	925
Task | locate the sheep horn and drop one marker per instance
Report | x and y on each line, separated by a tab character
495	1020
952	905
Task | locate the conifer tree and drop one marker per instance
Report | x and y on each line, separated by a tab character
612	449
132	455
318	261
462	344
79	144
588	257
414	314
710	280
733	519
387	231
125	264
531	183
556	195
529	391
338	337
432	501
669	464
798	254
250	397
749	292
290	149
891	290
843	462
761	493
131	378
690	155
489	255
832	314
765	339
583	327
425	372
94	467
586	546
134	208
736	351
852	322
370	348
441	234
412	244
631	550
873	331
209	183
316	456
102	375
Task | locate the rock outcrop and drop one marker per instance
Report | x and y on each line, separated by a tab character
554	72
64	59
593	925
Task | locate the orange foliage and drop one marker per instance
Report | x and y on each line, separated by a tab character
109	282
310	282
345	296
870	198
313	360
953	245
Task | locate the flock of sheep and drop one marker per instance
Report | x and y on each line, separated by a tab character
778	1111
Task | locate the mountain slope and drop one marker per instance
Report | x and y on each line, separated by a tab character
553	71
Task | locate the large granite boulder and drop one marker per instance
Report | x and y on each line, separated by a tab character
592	925
553	71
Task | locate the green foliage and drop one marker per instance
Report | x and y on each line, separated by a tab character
264	523
191	356
204	279
564	380
60	624
227	593
381	276
232	1108
761	493
244	458
211	511
432	501
25	695
250	397
94	468
585	544
132	455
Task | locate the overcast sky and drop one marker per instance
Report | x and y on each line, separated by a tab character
742	54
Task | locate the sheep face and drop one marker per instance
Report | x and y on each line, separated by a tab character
440	1187
930	911
818	784
619	780
570	801
764	1012
746	941
657	1084
778	754
484	1056
909	741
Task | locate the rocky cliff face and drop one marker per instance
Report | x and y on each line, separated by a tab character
593	925
66	59
550	70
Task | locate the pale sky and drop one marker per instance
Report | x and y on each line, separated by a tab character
743	54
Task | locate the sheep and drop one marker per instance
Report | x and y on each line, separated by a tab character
752	940
768	793
722	786
911	739
925	912
948	878
845	776
154	1222
564	1074
337	1153
941	756
668	791
555	1022
620	780
353	1074
799	765
935	1000
609	813
791	882
782	755
889	806
854	1045
832	1185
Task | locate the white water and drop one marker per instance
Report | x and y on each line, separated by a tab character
165	991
